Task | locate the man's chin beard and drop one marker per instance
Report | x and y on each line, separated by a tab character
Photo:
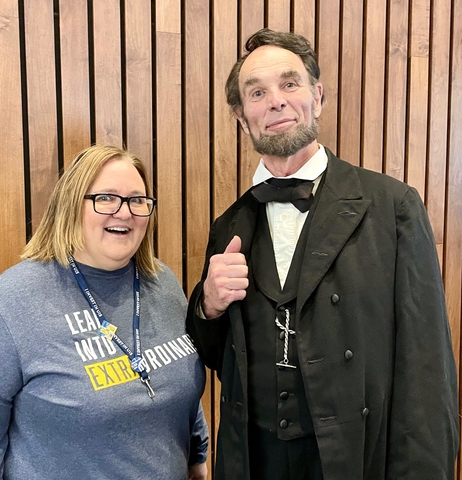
286	144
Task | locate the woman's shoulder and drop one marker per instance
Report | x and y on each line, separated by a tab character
28	273
165	280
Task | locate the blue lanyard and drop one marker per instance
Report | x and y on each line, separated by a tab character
137	362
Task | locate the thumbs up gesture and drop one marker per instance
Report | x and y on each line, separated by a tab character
226	279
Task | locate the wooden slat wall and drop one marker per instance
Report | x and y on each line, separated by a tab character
12	149
150	75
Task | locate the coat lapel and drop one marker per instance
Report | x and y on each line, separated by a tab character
244	222
340	209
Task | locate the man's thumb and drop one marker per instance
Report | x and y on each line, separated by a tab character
234	246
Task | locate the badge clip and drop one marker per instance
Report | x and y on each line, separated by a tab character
107	330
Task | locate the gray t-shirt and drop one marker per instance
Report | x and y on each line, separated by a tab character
70	405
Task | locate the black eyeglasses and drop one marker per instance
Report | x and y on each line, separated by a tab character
110	203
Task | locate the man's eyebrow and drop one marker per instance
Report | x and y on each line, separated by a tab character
250	81
291	74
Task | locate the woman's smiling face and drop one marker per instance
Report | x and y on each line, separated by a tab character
110	241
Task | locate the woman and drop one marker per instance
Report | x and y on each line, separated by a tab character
98	379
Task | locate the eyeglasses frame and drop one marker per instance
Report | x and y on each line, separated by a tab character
92	196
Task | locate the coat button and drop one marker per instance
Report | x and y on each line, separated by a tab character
283	423
282	335
335	298
365	412
283	395
348	354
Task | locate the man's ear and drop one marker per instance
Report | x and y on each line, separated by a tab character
318	92
239	114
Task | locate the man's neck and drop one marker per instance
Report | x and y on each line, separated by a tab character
283	167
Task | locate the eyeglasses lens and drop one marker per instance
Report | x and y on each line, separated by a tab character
107	204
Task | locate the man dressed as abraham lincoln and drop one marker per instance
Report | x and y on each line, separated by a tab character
321	305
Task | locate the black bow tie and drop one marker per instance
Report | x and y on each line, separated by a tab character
284	190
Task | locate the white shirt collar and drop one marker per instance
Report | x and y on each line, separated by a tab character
312	169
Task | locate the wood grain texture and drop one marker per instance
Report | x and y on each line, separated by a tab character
453	240
168	108
392	74
373	94
224	149
278	15
418	95
438	116
168	16
328	58
395	127
350	81
41	101
196	134
304	17
107	72
252	20
169	151
12	215
75	78
138	67
417	124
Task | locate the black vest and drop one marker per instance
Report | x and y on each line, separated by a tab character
277	399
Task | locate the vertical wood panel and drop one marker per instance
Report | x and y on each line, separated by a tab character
168	137
176	109
453	240
197	164
196	138
278	13
138	54
418	95
417	121
304	14
373	85
438	116
395	128
107	54
75	81
351	77
251	21
328	58
168	157
41	100
225	51
168	16
12	215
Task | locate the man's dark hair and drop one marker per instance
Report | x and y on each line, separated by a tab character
287	40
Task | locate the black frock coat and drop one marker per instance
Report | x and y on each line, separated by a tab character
372	335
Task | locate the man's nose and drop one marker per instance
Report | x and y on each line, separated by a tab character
276	100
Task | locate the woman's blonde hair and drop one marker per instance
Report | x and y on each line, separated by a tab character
60	231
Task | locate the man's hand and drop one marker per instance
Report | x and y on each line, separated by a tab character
226	280
198	471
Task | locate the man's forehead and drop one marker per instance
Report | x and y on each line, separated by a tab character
273	60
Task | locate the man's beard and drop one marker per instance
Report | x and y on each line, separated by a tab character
286	144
